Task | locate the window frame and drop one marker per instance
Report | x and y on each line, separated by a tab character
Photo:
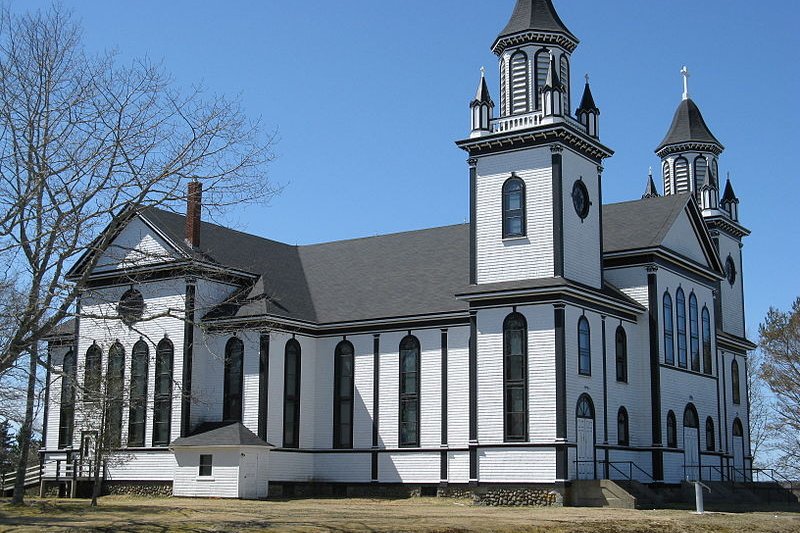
694	332
680	319
708	356
66	419
509	214
339	400
511	385
621	352
162	399
205	463
623	427
408	398
92	373
672	430
233	381
711	442
291	395
584	350
736	389
115	387
138	398
669	328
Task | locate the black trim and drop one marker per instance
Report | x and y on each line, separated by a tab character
294	395
444	388
562	459
600	220
188	351
163	271
558	212
473	219
506	211
649	256
688	371
473	396
374	461
552	297
473	463
605	397
443	466
655	374
509	384
164	347
376	379
263	385
233	391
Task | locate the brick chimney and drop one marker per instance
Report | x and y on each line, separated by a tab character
194	201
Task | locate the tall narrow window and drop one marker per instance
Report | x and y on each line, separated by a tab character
515	382
680	314
715	171
66	422
707	367
138	409
233	384
291	395
735	392
542	65
409	391
622	354
519	83
343	395
162	394
115	385
681	175
700	174
710	438
694	332
667	178
669	331
565	81
584	348
672	431
514	208
92	373
623	434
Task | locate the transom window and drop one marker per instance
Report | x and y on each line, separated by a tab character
514	208
343	395
409	391
585	408
515	369
584	347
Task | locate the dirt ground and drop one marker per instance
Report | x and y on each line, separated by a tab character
439	515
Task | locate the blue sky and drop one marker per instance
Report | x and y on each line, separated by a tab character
368	96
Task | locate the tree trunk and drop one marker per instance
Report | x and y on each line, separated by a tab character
25	433
99	447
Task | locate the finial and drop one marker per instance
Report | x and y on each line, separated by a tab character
650	173
483	72
686	75
587	79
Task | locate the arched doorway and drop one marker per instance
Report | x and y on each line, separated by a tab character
738	451
691	444
585	438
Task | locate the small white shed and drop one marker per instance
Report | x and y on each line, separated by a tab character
221	460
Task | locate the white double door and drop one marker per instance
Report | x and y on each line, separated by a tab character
586	464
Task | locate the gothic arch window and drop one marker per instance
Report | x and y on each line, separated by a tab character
672	431
409	391
542	65
515	378
140	357
585	407
621	342
700	174
681	175
92	372
710	438
735	392
669	330
690	419
344	382
738	430
66	422
514	208
680	315
707	356
291	394
520	83
565	81
115	385
694	332
623	433
667	178
162	394
233	380
584	347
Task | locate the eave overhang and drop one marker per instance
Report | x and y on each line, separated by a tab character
727	225
734	343
567	42
645	256
690	146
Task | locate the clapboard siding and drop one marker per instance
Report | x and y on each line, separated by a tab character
414	467
581	237
490	376
343	467
541	373
458	387
136	245
517	465
223	483
458	467
291	466
732	303
630	280
364	384
529	257
680	238
57	354
430	415
152	465
389	389
620	468
578	384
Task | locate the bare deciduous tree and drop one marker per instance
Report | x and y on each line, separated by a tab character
780	344
86	142
759	404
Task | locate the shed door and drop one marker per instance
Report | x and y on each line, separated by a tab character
248	476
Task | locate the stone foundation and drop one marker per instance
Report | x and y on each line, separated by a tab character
519	497
150	489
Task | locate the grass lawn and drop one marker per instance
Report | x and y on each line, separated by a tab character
121	514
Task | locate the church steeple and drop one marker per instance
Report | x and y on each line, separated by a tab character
730	202
552	92
650	191
482	109
588	114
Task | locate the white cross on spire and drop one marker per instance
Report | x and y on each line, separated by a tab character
483	71
685	73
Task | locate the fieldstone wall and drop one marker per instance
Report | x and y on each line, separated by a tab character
519	497
150	489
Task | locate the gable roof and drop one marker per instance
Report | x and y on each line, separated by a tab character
221	434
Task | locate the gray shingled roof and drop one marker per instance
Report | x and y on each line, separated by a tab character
221	434
640	223
688	125
536	15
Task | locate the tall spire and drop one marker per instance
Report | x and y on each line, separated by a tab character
587	101
482	95
481	109
553	81
650	191
535	17
588	114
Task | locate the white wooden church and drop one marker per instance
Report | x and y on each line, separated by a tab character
552	338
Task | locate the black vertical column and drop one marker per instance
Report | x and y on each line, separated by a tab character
473	230
188	350
473	397
605	398
376	350
655	374
443	458
263	385
558	211
562	455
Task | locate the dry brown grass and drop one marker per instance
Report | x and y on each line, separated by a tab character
122	514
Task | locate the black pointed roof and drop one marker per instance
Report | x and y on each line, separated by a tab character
553	81
482	95
536	15
650	191
688	126
729	196
587	101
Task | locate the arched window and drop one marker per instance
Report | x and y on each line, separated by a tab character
291	395
680	313
515	382
140	357
667	178
672	431
738	430
92	373
520	83
694	332
669	331
584	347
622	354
681	175
585	408
565	81
409	391
700	174
162	394
707	367
343	383
542	65
690	419
115	385
66	422
710	439
623	434
735	382
514	208
233	381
